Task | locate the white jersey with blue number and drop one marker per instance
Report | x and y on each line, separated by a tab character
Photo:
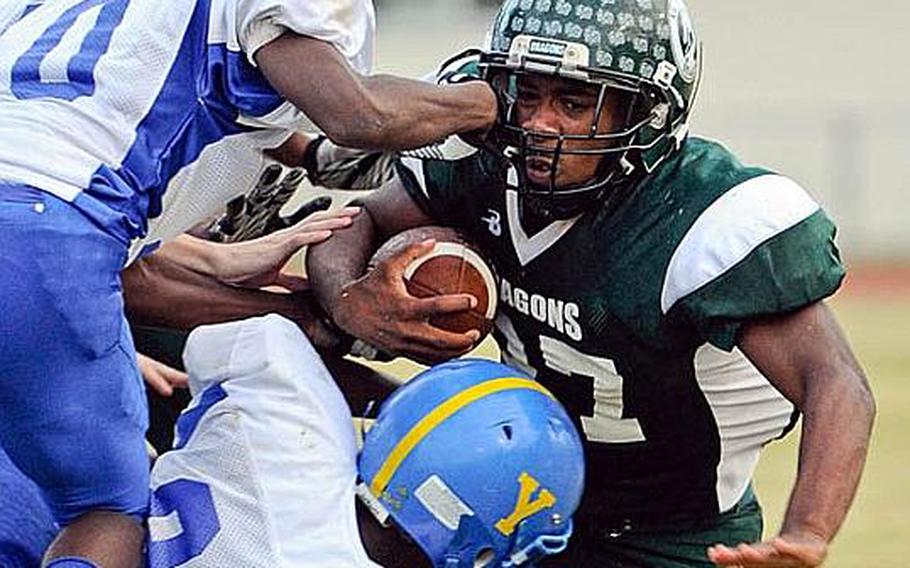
264	466
112	98
227	169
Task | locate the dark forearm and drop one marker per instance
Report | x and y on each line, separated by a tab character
431	113
379	112
160	291
806	356
340	260
837	423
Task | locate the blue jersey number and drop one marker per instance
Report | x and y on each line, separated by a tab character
80	69
198	522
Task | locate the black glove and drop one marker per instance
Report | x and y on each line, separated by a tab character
258	213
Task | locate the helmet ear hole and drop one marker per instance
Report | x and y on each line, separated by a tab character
484	558
507	431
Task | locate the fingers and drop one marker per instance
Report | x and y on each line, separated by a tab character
778	553
316	229
158	384
742	555
440	305
320	221
177	379
303	239
335	219
405	330
420	339
160	377
329	224
349	211
428	350
722	555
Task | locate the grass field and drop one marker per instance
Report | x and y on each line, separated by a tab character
877	532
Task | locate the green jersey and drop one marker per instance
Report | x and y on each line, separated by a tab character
631	317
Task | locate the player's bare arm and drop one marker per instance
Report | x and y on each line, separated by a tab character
190	282
375	306
367	111
259	262
805	355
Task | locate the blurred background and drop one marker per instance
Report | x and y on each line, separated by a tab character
812	88
817	90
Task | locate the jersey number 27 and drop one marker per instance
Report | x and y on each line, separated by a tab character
607	425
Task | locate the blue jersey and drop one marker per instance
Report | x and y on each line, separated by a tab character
103	102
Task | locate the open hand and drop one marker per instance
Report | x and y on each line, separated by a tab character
784	551
258	263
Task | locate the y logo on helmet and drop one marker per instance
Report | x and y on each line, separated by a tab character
525	507
683	41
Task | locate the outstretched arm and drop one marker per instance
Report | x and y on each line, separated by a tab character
805	355
191	282
376	307
379	112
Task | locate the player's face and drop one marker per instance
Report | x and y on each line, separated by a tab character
553	105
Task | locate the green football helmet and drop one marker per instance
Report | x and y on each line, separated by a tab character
647	49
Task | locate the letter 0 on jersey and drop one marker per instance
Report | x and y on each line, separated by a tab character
102	104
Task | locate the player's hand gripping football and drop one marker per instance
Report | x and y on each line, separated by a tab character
378	308
259	262
783	551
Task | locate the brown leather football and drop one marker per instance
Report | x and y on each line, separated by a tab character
454	266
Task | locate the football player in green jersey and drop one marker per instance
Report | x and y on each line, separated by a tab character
670	296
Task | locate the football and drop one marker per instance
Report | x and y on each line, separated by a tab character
454	266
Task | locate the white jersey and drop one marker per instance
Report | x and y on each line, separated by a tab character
264	466
107	100
226	169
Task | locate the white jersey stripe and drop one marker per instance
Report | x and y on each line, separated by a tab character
747	411
415	165
731	228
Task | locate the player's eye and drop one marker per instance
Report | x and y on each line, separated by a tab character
528	96
575	106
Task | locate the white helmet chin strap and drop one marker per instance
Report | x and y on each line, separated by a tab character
373	504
